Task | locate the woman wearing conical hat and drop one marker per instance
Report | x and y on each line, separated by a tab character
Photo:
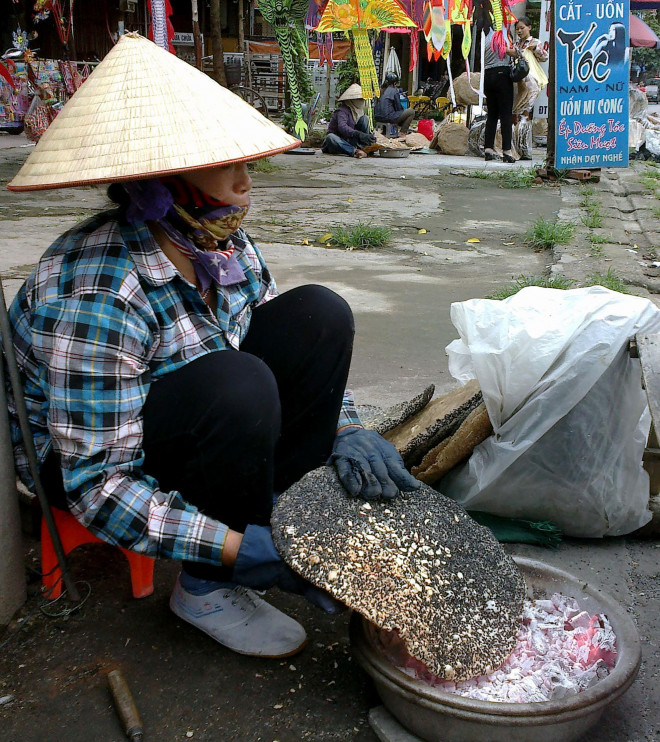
348	129
171	392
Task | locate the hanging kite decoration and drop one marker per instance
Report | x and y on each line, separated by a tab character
460	15
493	15
323	40
434	26
415	9
358	17
286	17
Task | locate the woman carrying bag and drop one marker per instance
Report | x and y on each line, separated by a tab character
529	87
498	87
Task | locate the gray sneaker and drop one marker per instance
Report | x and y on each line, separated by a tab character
240	620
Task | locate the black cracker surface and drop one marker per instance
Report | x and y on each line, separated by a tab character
400	412
418	565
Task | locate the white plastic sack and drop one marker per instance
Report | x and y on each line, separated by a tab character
653	141
569	414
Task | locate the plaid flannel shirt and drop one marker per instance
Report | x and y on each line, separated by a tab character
104	315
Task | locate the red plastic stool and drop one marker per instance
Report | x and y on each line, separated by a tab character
73	534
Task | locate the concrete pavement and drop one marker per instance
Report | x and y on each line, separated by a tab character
185	685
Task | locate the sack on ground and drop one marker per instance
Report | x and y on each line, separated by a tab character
466	89
569	414
522	139
451	138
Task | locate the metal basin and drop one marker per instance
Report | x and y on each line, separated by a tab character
394	152
437	716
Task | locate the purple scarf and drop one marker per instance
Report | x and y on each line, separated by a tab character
196	224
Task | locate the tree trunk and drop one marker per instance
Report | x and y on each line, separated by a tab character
196	35
241	26
216	36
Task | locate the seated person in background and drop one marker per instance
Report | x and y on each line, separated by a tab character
348	130
389	109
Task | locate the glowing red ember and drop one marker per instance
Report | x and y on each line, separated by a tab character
561	650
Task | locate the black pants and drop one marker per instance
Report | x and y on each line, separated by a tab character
498	88
229	429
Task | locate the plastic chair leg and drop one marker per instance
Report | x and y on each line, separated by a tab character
142	573
73	534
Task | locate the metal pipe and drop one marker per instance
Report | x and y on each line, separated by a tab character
30	450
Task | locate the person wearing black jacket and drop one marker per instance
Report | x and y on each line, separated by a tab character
389	109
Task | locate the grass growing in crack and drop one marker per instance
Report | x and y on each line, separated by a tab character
650	178
587	192
593	218
656	212
263	166
522	281
360	236
518	178
481	174
609	280
597	241
545	234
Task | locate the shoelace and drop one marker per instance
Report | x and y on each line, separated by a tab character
241	595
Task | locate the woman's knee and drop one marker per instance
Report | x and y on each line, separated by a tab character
326	307
243	398
226	392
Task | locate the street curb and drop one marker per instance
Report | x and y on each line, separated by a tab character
629	230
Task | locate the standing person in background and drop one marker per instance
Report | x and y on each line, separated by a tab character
498	88
527	90
348	130
389	109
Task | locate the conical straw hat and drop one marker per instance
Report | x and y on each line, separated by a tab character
352	92
144	112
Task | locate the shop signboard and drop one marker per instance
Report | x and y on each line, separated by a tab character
591	83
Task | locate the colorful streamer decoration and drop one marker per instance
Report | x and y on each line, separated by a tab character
358	17
286	17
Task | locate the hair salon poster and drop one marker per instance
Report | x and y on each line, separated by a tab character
592	62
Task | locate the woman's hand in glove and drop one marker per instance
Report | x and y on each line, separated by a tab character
369	466
258	565
364	138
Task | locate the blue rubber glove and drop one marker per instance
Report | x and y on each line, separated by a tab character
369	466
259	566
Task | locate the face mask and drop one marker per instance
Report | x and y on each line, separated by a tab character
194	222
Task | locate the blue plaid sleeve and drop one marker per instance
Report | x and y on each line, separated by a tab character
348	414
95	349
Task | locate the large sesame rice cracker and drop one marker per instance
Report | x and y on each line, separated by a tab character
418	565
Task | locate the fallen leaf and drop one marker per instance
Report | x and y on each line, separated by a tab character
305	241
327	236
473	239
350	200
277	706
508	243
421	231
